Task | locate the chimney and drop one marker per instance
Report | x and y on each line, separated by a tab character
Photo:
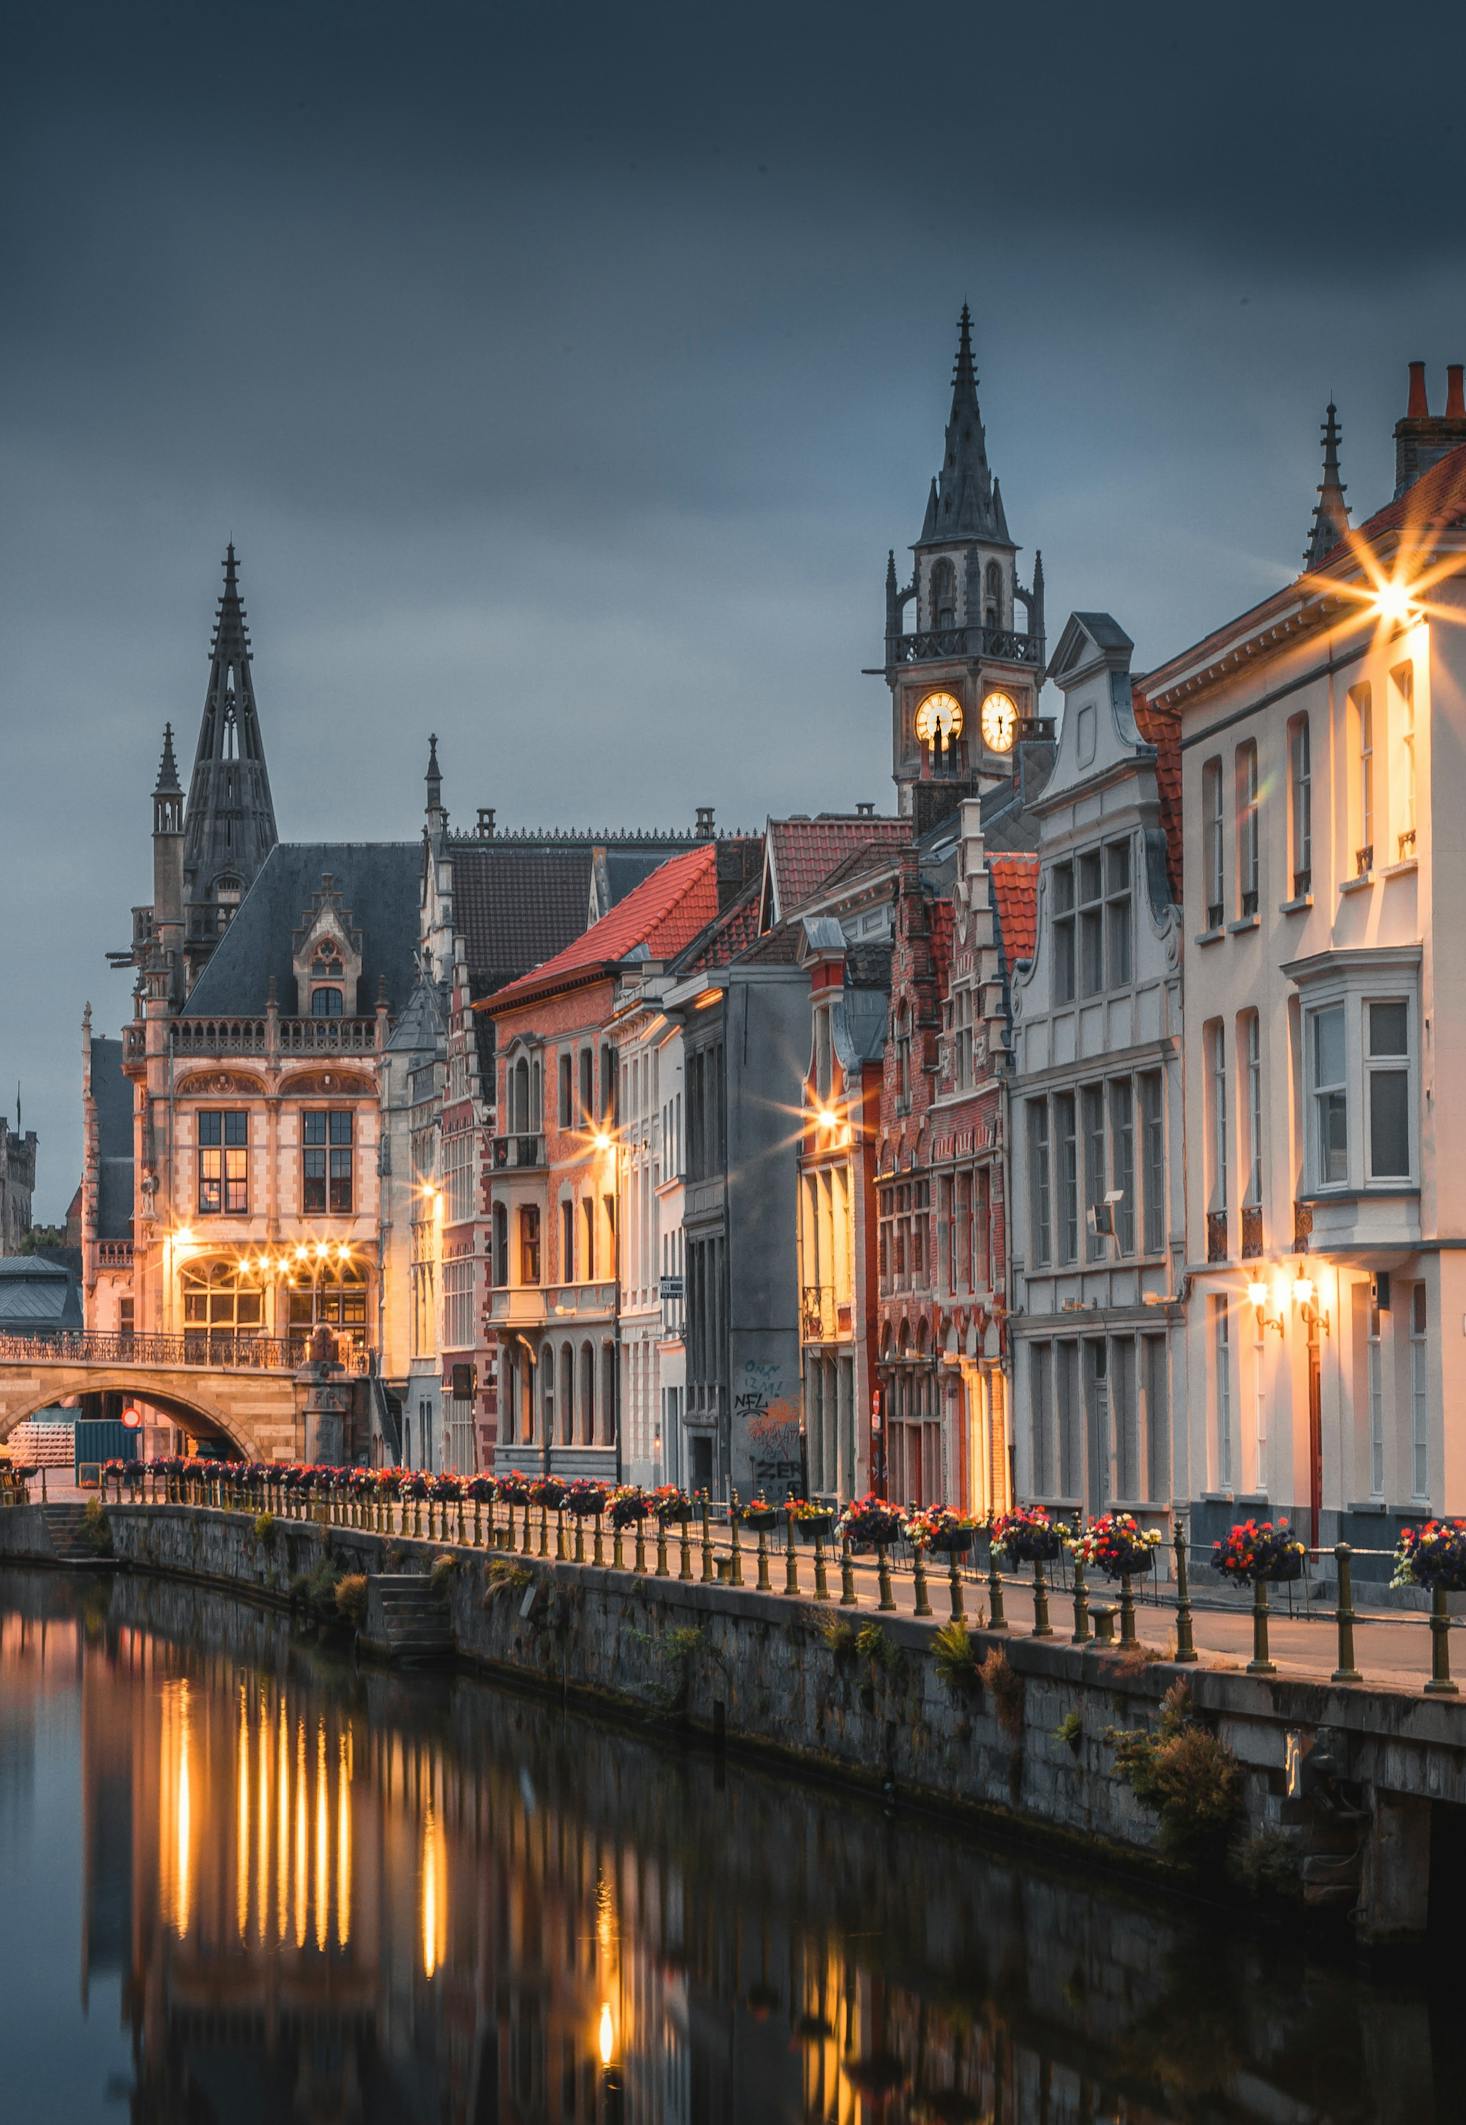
1421	438
486	822
705	829
866	810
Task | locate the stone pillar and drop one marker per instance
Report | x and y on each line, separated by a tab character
1394	1895
327	1400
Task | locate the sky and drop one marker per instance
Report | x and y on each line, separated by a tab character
563	376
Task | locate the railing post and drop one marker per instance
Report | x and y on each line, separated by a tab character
1260	1664
597	1553
997	1621
618	1553
887	1599
707	1547
791	1562
1082	1633
922	1605
684	1549
1042	1628
763	1562
1346	1671
1128	1639
1440	1683
1185	1642
735	1547
661	1571
639	1559
559	1534
544	1548
580	1538
954	1589
821	1581
847	1578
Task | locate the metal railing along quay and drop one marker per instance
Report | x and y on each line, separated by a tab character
713	1542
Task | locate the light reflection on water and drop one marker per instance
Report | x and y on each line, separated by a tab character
307	1893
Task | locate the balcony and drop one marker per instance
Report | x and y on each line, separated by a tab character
1251	1231
1000	645
823	1319
291	1036
114	1254
1216	1235
517	1306
518	1151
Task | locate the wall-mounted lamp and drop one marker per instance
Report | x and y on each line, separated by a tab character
1305	1299
1259	1291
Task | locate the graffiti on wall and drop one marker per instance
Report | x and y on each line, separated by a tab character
769	1421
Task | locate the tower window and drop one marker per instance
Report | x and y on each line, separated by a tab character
327	1003
943	595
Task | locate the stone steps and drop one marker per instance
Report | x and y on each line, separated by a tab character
64	1530
414	1620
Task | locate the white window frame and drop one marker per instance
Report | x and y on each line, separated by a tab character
1402	706
1300	806
1374	1360
1354	981
1250	1047
1247	802
1213	841
1364	792
1419	1392
1221	1342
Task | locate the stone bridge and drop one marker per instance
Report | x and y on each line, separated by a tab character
252	1392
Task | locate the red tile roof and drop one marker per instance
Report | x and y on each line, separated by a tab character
724	938
657	919
1161	727
800	854
1015	901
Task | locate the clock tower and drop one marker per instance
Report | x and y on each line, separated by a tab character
964	676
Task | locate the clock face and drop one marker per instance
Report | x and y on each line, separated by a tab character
999	721
939	716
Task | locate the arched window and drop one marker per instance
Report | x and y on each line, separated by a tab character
993	594
606	1433
519	1122
942	595
220	1299
547	1394
330	1292
586	1429
327	1003
567	1395
588	1227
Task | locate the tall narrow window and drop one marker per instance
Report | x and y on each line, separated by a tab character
224	1162
327	1176
1374	1361
1125	1412
1096	1179
567	1091
1330	1098
1387	1078
1247	829
1041	1405
1213	831
1402	681
529	1243
1122	1152
587	1086
1091	923
1067	1412
1068	1152
1361	723
567	1242
1419	1397
1117	913
588	1249
1215	1036
1222	1389
1063	931
1039	1198
1157	1418
1300	806
1153	1132
1251	1058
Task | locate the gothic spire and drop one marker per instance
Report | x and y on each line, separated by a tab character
1331	513
962	503
230	820
167	766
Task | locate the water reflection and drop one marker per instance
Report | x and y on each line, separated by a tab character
340	1897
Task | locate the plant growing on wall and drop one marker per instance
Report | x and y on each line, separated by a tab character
351	1599
441	1572
956	1657
1004	1687
96	1535
1185	1773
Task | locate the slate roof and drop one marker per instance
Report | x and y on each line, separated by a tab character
1015	902
656	920
517	903
800	854
779	947
380	884
113	1096
37	1297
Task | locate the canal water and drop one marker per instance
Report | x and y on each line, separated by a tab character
241	1880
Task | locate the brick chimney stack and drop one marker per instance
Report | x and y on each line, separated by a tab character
1421	438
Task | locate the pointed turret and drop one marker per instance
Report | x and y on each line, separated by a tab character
230	820
167	767
962	504
434	776
1331	513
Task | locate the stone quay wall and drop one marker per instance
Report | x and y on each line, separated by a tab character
1031	1748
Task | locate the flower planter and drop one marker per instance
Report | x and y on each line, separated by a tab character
815	1527
760	1518
956	1543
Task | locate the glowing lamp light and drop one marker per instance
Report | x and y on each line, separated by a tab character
1257	1291
601	1140
607	2034
826	1117
1303	1291
320	1250
1392	603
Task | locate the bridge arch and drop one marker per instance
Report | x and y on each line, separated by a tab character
264	1431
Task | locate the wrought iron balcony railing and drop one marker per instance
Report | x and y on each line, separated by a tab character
1004	645
519	1149
213	1349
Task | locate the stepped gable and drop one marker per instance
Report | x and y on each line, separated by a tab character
378	882
1161	727
1015	903
656	920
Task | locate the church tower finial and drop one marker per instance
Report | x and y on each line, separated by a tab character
230	820
1331	513
960	504
434	776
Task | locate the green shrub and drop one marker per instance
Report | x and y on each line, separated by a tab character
1185	1773
839	1634
1269	1864
351	1598
1004	1686
1070	1731
876	1645
96	1535
955	1656
263	1528
503	1576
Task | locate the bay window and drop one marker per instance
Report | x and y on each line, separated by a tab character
1387	1075
1360	1061
1330	1098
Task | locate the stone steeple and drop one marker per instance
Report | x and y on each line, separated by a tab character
230	818
1331	513
965	501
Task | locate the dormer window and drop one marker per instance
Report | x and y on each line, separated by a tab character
328	976
327	1002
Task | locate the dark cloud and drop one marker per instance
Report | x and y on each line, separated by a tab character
563	376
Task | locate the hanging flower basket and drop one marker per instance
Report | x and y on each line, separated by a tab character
1253	1551
1433	1555
585	1498
1027	1535
629	1503
812	1523
481	1489
547	1491
513	1489
941	1531
671	1505
1115	1544
869	1523
760	1515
